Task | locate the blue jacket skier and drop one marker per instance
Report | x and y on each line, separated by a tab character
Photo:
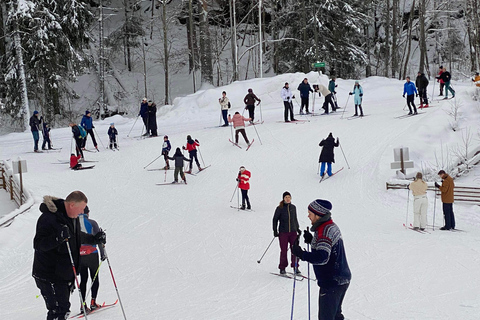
410	89
357	98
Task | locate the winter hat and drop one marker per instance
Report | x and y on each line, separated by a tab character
112	124
35	112
320	207
441	67
144	99
286	193
150	101
87	112
165	137
250	90
356	82
286	83
189	137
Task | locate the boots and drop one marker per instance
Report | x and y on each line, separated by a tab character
94	305
361	110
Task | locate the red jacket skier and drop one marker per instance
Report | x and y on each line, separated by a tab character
244	185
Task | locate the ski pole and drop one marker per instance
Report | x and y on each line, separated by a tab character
254	127
128	135
114	283
231	130
220	120
299	107
76	278
93	281
345	108
260	260
233	195
260	106
434	207
344	155
406	217
99	138
201	156
294	283
308	275
152	161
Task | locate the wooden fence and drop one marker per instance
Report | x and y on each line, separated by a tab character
11	185
460	193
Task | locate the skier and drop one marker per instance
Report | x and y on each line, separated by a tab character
239	125
179	158
420	202
422	84
34	127
144	114
249	101
439	79
78	138
446	77
166	147
447	199
288	231
357	99
305	90
152	118
225	105
328	98
331	88
476	80
87	124
46	136
52	262
89	259
328	258
191	147
327	155
287	97
243	180
410	90
112	136
74	165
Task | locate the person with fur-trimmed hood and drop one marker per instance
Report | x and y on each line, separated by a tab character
287	232
328	258
58	234
422	84
327	155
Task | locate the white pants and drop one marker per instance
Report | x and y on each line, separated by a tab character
420	205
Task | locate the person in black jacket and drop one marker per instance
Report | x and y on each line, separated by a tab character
422	84
178	157
35	127
305	90
446	77
57	236
78	139
112	136
287	232
152	118
327	155
46	136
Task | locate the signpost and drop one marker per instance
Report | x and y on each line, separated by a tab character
318	65
401	160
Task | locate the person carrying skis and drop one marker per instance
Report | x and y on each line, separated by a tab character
166	147
57	243
410	90
305	90
87	124
328	258
191	147
77	136
225	105
420	202
439	79
178	157
328	98
249	101
422	84
287	232
74	165
152	118
112	136
287	97
447	188
239	126
243	180
46	136
446	77
34	127
357	99
89	259
331	88
327	155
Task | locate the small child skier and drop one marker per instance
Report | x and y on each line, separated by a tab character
46	136
74	165
191	147
178	157
112	135
165	150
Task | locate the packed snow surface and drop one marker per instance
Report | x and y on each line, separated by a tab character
181	252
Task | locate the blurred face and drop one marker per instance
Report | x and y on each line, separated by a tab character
74	208
286	86
223	94
408	79
305	80
313	217
242	169
287	199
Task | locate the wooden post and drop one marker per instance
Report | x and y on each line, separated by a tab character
11	187
21	181
4	180
401	161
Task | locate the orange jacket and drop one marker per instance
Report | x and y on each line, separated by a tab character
447	189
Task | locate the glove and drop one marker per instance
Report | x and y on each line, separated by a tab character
403	95
288	98
229	115
237	179
275	233
183	147
299	232
100	237
336	85
64	234
361	94
246	108
296	250
334	92
350	93
196	141
307	236
417	94
93	127
437	185
293	97
103	258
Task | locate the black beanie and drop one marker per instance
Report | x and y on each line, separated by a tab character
286	193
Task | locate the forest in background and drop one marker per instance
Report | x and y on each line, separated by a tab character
48	46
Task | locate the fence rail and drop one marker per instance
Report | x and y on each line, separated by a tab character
11	185
460	193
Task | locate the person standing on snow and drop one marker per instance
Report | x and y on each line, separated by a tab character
239	125
447	188
439	79
410	90
249	101
152	118
178	157
243	180
331	88
87	124
225	105
422	84
46	136
191	147
144	114
447	77
305	90
327	155
357	99
328	98
287	232
89	259
35	127
287	97
476	80
112	136
165	150
420	202
328	258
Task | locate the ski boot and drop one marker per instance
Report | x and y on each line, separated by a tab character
282	271
94	305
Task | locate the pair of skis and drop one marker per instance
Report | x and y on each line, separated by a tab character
409	115
325	176
102	307
417	230
291	275
237	145
180	183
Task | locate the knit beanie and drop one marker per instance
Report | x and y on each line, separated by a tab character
87	112
320	207
286	193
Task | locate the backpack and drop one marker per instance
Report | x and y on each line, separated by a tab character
82	130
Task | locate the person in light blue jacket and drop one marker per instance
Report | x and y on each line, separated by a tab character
357	99
410	89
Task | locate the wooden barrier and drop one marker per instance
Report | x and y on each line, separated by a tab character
11	185
460	193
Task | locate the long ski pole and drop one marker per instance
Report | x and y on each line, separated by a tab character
434	207
114	283
344	155
128	135
345	108
76	278
294	283
152	161
308	275
200	153
231	130
254	127
220	120
99	138
260	260
233	195
260	106
406	216
93	281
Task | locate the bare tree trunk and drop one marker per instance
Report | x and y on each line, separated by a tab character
394	37
476	40
151	19
306	64
165	48
205	45
128	57
233	28
21	76
409	40
387	38
423	43
3	51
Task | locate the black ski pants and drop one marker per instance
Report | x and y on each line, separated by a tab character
304	104
288	109
245	197
89	132
193	156
89	263
330	302
251	111
46	140
328	100
57	298
423	96
449	216
244	134
79	144
411	102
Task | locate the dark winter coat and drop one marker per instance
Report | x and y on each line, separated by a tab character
421	82
166	147
327	154
179	158
34	123
304	89
250	98
112	132
76	132
328	256
51	261
445	76
143	110
152	117
87	122
45	130
286	214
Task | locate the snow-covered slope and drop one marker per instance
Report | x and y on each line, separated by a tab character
181	252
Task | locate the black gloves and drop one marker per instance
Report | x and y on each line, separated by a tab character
437	185
237	179
417	94
103	258
293	97
288	98
334	92
63	234
307	236
196	141
296	250
183	147
100	237
299	232
361	94
350	93
403	95
275	233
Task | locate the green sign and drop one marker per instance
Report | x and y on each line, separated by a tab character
318	64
